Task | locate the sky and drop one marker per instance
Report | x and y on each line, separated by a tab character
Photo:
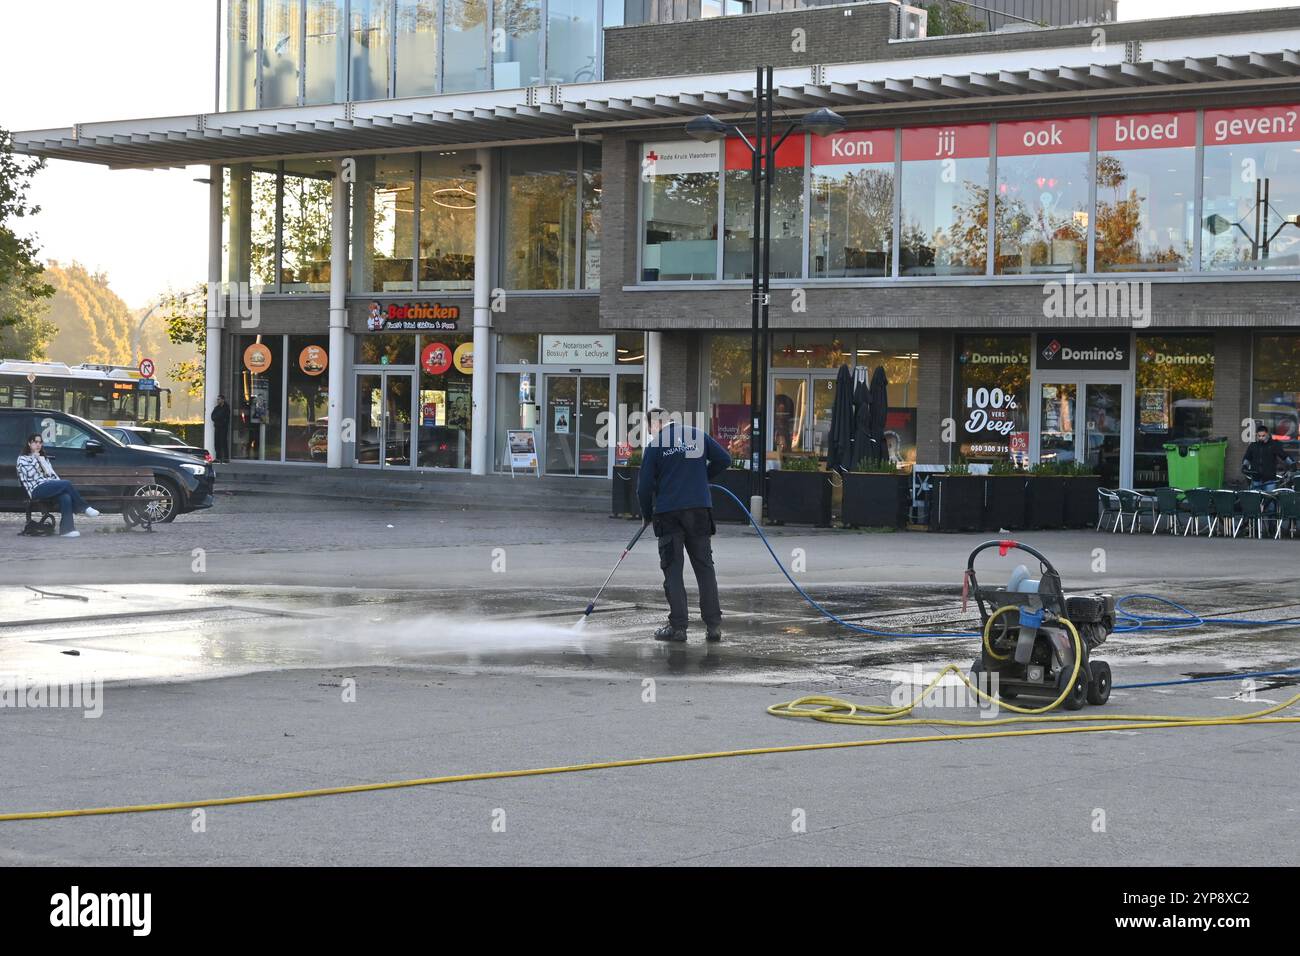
78	61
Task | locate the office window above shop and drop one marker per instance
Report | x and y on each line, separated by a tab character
293	52
1250	218
786	247
945	198
1146	192
679	210
1041	205
851	220
542	218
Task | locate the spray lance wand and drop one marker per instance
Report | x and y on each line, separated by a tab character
582	621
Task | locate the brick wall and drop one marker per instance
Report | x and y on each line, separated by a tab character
865	35
933	396
1232	373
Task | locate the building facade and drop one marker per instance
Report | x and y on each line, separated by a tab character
1065	243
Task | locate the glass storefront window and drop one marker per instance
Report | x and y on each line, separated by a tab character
1041	211
812	349
385	348
369	56
383	222
592	187
240	55
1146	192
945	190
729	393
326	79
851	221
445	401
1276	387
787	211
516	397
417	47
305	234
992	397
306	420
541	218
630	348
465	59
517	46
447	210
281	52
516	349
679	205
259	266
1251	213
572	41
1175	399
258	406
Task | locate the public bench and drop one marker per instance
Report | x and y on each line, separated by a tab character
133	493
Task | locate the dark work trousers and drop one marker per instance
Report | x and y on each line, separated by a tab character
221	438
681	534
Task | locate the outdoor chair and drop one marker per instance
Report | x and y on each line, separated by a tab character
1198	507
1224	512
1134	505
1288	510
1255	507
1167	506
1108	506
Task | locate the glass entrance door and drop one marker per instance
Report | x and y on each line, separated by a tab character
575	444
800	412
383	419
1085	421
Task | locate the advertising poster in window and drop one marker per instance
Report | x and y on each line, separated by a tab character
1153	411
992	397
458	404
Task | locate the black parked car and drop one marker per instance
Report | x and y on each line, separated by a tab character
70	440
159	438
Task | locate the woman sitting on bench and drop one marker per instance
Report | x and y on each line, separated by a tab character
38	477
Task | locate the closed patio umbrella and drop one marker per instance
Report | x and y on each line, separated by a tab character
879	411
840	452
862	444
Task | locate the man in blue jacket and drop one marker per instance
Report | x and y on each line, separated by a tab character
676	468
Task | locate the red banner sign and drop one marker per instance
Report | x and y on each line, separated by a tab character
1261	124
1044	137
859	146
967	141
739	156
1145	131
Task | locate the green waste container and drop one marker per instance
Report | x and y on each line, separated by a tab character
1196	462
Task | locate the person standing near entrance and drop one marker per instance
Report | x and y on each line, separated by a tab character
673	491
1262	457
221	429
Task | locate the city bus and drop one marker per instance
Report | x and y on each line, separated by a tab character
103	394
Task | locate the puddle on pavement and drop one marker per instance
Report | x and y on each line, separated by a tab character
177	633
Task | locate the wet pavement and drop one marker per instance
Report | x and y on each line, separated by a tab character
234	679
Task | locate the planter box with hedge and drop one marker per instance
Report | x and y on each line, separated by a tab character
1005	500
956	501
1081	498
623	491
1046	497
738	482
876	499
799	493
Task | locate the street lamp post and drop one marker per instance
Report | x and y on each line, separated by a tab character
763	149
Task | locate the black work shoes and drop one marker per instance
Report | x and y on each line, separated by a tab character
714	635
670	633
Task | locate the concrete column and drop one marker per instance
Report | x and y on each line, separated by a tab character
480	440
654	343
215	310
338	316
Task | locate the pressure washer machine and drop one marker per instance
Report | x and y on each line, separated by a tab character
1027	633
